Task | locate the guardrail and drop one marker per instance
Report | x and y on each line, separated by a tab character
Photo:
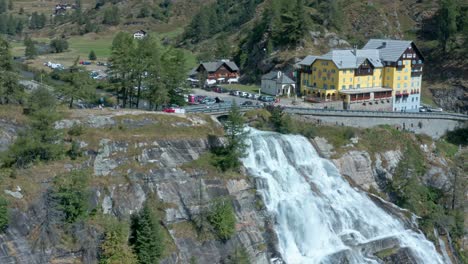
351	113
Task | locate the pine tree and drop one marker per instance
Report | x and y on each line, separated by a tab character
223	219
3	6
4	219
11	25
71	192
10	91
121	58
228	157
3	23
447	22
30	51
147	236
92	55
115	249
79	84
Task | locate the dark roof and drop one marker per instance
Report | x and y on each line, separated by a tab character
390	50
273	75
347	59
214	65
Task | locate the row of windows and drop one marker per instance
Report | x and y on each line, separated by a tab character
409	56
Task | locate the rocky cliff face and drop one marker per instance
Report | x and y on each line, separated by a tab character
373	173
8	131
127	170
454	98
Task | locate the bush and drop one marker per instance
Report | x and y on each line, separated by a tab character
3	214
222	219
92	56
76	130
40	141
240	256
72	194
458	137
58	45
74	151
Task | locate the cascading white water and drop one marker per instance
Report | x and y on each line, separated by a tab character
319	217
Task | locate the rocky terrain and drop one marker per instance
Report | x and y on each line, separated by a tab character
133	156
126	172
374	172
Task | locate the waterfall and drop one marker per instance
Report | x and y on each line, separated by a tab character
319	217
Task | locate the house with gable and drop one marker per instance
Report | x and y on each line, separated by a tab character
277	83
222	71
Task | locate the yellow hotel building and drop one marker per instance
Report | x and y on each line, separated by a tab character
385	75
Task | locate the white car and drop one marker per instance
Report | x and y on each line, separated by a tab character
244	94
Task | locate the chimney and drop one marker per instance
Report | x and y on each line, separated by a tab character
384	44
279	74
355	49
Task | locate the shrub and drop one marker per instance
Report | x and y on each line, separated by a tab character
74	151
92	55
58	45
76	130
222	219
240	256
72	194
3	214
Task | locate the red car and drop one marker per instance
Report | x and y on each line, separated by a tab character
171	108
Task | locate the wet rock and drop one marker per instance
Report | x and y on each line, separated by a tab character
357	165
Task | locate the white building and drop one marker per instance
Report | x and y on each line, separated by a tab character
140	34
277	83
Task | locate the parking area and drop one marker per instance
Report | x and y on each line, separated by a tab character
239	99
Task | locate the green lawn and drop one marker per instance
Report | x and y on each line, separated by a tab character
243	87
82	45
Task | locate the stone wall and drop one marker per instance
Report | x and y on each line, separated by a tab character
431	127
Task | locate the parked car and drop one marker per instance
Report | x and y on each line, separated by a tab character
422	109
219	89
235	93
208	101
244	94
254	96
171	108
435	110
199	98
247	103
265	98
219	100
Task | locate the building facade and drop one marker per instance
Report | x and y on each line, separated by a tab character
385	75
223	71
277	83
140	34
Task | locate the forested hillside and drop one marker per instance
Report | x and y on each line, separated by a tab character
264	34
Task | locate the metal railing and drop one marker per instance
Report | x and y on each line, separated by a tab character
221	109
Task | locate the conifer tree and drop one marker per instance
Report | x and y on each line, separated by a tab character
115	249
4	219
30	51
10	91
147	237
447	22
92	55
79	84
